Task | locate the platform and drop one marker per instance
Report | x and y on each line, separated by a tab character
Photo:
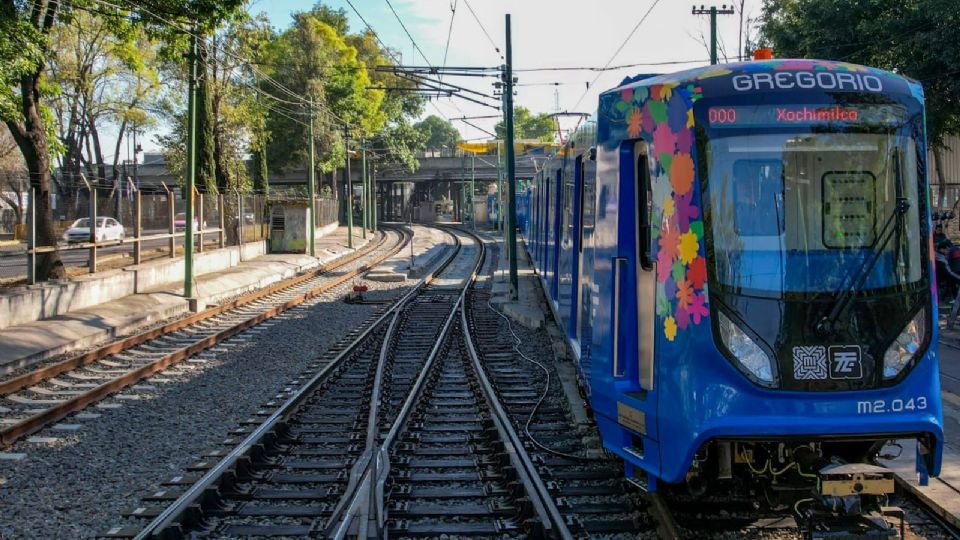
29	343
942	494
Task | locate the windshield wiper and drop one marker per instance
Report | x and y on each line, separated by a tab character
843	297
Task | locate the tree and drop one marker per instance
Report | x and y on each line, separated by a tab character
314	60
526	125
918	39
13	175
104	69
25	28
438	132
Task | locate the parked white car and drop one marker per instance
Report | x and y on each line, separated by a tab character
107	229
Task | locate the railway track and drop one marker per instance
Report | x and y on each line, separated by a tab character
41	397
586	483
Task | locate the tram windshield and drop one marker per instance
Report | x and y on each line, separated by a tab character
803	211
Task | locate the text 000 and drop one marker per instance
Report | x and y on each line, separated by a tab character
891	405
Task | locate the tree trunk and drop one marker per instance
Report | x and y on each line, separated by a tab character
206	160
31	137
941	178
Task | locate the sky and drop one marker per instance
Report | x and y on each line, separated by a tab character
545	34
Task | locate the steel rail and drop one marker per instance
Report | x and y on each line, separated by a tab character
29	379
351	504
543	503
14	432
166	520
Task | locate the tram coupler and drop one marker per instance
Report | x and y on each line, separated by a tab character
847	504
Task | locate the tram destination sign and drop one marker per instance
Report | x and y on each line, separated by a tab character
805	115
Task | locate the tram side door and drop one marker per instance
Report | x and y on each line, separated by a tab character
634	298
577	251
646	270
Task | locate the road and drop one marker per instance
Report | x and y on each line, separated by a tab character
12	266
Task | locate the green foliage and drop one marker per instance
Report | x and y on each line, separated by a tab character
438	132
526	125
21	51
916	38
317	60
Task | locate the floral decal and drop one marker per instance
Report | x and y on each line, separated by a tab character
660	111
662	114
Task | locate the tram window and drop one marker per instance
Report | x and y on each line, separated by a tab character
644	193
757	197
581	182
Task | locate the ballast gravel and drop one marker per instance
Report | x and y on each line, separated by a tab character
79	485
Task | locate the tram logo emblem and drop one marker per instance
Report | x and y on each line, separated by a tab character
845	362
810	363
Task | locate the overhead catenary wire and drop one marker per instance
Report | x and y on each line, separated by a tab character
484	29
446	49
617	52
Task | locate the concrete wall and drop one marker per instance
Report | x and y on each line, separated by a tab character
28	304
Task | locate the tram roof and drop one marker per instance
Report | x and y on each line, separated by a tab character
765	75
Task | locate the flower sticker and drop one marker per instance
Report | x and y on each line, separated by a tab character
698	308
684	293
681	174
697	273
670	328
689	245
635	123
664	141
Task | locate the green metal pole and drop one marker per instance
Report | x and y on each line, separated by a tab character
713	35
463	178
364	197
511	170
311	180
373	187
191	169
349	185
473	192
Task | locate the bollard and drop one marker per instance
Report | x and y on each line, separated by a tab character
220	203
32	238
137	227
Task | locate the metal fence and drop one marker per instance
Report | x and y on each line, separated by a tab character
132	226
328	211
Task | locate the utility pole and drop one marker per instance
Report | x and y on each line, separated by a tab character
311	180
365	186
473	193
191	168
511	166
713	12
348	182
374	206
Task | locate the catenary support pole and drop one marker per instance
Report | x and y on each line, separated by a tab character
311	180
712	11
375	191
189	189
473	192
32	237
348	183
365	188
511	168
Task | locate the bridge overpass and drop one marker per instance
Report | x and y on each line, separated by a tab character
398	188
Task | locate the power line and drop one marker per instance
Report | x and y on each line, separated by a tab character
453	15
415	46
484	29
620	48
613	68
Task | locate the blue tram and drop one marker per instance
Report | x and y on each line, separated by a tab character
740	257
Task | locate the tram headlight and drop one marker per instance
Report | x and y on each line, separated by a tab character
747	353
906	346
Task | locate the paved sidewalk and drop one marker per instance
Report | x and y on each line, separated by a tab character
26	344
